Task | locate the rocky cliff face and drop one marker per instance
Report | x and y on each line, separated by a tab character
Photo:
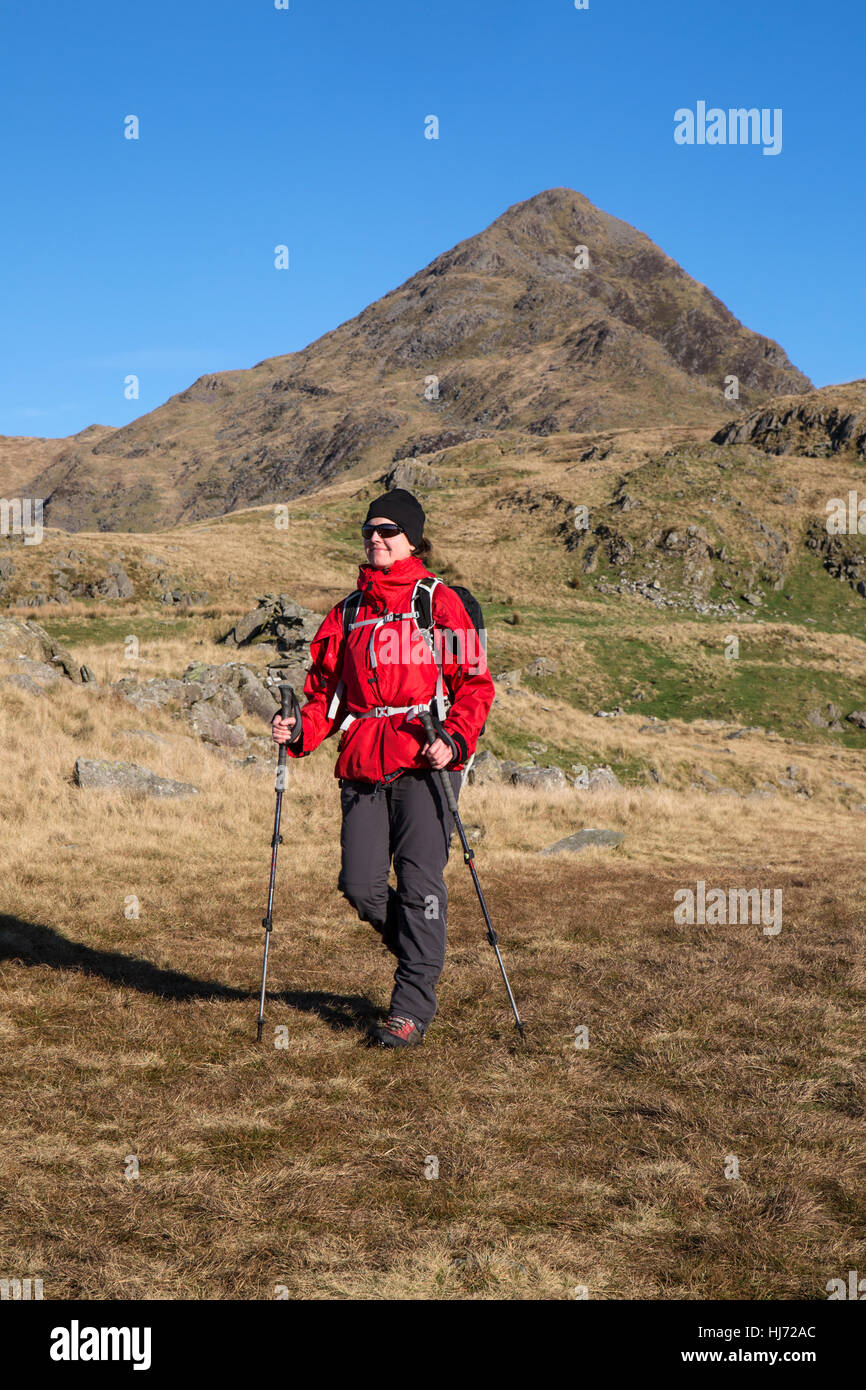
516	328
828	422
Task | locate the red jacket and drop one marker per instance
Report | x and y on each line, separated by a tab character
373	749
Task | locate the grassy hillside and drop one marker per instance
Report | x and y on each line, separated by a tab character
303	1166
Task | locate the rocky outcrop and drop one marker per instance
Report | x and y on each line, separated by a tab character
414	477
209	726
488	768
843	555
432	444
158	692
543	778
817	426
21	681
279	619
828	718
212	698
22	642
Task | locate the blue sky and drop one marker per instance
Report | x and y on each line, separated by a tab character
306	127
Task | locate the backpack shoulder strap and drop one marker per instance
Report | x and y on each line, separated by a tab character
422	601
351	605
422	607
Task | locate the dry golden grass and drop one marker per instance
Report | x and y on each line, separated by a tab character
304	1166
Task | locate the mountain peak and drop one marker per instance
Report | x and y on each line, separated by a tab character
557	317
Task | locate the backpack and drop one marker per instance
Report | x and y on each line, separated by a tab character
422	614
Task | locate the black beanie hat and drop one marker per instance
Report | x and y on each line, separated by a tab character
400	506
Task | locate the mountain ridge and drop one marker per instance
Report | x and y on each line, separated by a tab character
502	332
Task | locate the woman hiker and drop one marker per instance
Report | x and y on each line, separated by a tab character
369	684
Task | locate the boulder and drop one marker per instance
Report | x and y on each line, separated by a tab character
257	698
545	778
857	717
225	703
542	666
412	476
584	838
276	618
22	681
30	640
127	777
251	624
67	663
828	718
508	767
288	669
485	768
603	779
43	673
212	729
159	691
24	639
234	688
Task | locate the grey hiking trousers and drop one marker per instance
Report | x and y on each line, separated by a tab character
407	820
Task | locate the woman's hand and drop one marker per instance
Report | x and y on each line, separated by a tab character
281	729
438	754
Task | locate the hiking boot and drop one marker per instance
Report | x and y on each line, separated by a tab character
397	1031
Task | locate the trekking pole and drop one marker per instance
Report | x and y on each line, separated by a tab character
287	699
468	858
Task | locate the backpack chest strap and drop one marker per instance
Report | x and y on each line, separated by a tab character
374	624
383	712
351	607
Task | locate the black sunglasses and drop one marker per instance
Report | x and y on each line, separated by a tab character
368	531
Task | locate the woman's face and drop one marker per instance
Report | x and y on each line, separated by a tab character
385	550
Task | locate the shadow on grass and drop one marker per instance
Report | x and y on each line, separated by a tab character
30	943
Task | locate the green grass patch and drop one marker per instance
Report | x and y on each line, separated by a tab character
112	629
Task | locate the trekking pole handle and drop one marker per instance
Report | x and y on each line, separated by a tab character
289	707
430	731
